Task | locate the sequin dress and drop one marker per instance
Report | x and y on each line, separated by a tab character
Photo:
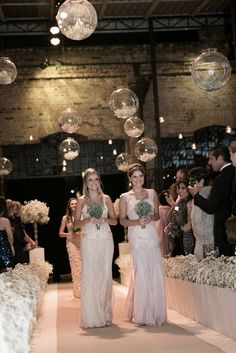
96	273
5	251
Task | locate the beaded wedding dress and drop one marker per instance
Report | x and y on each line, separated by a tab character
146	302
96	273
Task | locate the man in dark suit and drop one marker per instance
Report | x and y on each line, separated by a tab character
219	200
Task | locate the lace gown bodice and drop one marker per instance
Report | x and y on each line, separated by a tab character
96	272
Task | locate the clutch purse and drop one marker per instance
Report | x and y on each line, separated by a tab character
230	226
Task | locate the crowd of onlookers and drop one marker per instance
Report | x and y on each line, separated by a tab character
194	211
15	243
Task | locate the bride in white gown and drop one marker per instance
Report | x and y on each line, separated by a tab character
146	302
96	251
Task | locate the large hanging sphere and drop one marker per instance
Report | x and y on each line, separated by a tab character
69	120
77	19
145	149
8	71
69	148
211	70
5	166
124	161
134	127
124	103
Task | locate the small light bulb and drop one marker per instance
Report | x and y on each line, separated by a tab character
114	152
54	30
55	41
180	136
110	142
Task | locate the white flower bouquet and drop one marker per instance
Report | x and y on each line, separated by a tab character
124	262
35	211
21	292
215	271
143	209
95	210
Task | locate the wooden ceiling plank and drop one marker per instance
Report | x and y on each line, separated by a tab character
200	7
103	9
152	8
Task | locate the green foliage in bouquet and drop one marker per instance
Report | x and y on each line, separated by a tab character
95	210
143	209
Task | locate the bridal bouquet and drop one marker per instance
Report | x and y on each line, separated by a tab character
143	209
35	211
95	210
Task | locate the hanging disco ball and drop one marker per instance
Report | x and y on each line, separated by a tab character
8	71
134	127
145	149
124	161
69	120
210	70
77	19
69	148
124	103
5	166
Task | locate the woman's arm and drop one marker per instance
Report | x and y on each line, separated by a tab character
62	229
29	240
124	221
79	222
111	219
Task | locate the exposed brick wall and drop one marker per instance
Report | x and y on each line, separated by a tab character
84	77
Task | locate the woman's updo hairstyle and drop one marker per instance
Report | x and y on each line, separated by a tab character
134	167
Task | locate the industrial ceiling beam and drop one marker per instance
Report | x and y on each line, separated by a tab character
152	8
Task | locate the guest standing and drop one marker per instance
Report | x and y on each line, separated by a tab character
162	222
96	251
232	150
72	235
202	222
6	237
181	174
22	241
146	302
219	201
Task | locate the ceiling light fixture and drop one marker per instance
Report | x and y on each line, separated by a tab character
77	19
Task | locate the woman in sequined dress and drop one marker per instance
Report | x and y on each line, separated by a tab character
6	237
96	252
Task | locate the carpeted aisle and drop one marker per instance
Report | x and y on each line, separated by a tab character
67	337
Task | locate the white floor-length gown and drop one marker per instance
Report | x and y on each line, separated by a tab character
96	273
146	301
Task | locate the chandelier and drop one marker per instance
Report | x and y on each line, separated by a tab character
77	19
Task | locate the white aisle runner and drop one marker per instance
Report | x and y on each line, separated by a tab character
58	331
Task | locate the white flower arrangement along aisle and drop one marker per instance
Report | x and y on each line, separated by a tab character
214	271
21	290
35	212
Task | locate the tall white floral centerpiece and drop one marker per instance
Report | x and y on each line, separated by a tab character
35	212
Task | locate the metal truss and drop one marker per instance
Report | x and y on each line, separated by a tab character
123	25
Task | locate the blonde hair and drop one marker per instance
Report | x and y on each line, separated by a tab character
232	147
87	173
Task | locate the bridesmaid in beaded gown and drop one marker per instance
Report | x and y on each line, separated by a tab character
96	251
146	302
